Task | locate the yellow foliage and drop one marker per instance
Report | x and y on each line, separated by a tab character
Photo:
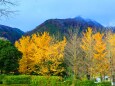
41	54
95	53
87	47
101	62
110	42
87	40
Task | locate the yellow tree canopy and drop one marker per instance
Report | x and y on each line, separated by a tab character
44	55
110	42
87	40
101	62
87	47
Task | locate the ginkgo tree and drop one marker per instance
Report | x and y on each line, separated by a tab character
87	47
101	62
73	57
110	44
42	54
95	51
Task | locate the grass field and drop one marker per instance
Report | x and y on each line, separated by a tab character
15	85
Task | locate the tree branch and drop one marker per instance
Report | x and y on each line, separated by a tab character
5	8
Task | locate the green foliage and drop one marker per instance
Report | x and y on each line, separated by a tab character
91	83
85	83
45	80
69	82
104	84
28	80
9	56
1	78
15	85
66	83
17	79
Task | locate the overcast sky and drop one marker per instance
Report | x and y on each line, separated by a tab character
32	13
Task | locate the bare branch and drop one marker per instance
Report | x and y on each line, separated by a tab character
6	2
5	8
5	12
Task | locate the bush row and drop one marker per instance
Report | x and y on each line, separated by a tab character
86	83
28	79
17	79
45	81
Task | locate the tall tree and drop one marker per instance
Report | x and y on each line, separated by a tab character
87	47
41	55
101	62
110	42
73	56
9	57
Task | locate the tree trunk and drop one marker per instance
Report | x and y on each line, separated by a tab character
113	80
88	77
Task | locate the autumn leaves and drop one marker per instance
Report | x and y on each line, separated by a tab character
43	55
94	46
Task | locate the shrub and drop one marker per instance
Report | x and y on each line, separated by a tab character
1	78
45	81
79	83
91	83
104	84
67	83
17	79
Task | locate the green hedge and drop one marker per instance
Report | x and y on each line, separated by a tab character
17	79
104	84
85	83
67	83
1	78
45	81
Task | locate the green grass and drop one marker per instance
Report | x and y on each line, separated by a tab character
15	85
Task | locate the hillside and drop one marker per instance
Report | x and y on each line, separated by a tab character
54	26
10	33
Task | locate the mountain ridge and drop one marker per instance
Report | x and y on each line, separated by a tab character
62	25
12	34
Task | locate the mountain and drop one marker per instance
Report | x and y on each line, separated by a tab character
53	26
12	34
112	28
